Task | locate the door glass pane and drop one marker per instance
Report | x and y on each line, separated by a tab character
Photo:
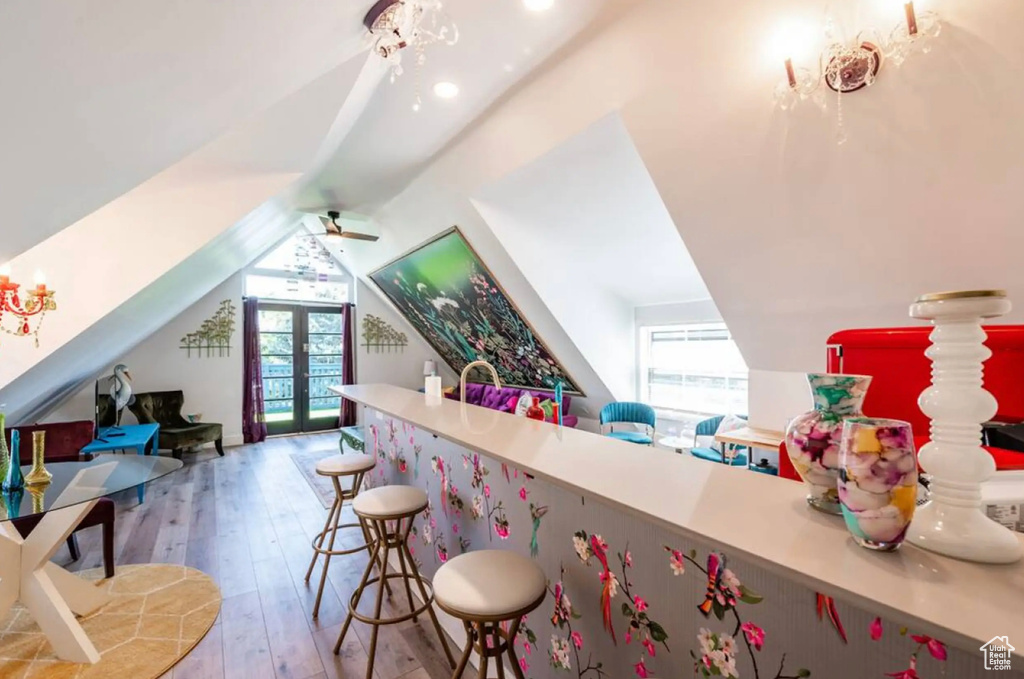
324	367
275	321
276	347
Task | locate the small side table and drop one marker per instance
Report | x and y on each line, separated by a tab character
138	436
676	443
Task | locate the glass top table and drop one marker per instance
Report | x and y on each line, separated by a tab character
75	483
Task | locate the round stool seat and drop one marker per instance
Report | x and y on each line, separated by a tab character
344	465
389	502
489	584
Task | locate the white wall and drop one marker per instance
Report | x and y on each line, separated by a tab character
212	386
695	311
400	368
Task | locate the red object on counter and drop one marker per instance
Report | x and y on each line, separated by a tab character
895	359
535	412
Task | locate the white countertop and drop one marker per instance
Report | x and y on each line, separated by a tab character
760	518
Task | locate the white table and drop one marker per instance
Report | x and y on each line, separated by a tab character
52	595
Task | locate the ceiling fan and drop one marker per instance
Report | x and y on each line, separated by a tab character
336	230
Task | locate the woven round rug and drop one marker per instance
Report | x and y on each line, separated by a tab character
157	614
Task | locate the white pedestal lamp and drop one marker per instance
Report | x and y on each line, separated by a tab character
952	522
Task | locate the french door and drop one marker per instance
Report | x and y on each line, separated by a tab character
301	348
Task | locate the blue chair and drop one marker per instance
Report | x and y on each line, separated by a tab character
708	427
627	412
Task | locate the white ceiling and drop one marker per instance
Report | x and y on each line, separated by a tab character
589	211
500	42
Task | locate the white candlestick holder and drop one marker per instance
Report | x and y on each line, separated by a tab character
952	522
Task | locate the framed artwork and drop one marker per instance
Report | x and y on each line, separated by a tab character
451	298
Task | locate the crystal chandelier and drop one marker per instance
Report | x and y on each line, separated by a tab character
38	301
395	25
849	65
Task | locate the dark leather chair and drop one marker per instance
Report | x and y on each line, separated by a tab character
176	433
64	442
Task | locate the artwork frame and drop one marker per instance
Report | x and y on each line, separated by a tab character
452	326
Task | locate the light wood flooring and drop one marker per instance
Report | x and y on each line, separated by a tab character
247	520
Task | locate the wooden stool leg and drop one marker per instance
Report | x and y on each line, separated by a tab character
466	652
483	650
405	577
497	658
335	507
404	545
359	596
382	533
513	631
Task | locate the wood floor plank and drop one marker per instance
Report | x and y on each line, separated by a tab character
206	661
246	647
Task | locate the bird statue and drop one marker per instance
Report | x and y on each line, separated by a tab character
121	390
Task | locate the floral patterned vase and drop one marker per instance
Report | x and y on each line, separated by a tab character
812	439
877	481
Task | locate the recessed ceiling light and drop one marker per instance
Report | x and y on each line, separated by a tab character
446	90
538	5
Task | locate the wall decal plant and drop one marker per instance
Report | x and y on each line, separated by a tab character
572	641
936	649
718	650
214	334
379	335
827	605
594	546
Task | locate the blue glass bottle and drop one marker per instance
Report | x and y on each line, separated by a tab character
14	480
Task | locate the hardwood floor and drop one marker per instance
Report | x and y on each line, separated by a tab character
247	520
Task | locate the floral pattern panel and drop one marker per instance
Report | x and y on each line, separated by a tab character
629	599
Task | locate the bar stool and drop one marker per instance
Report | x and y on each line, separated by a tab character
336	468
484	589
397	505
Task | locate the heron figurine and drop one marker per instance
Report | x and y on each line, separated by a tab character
121	390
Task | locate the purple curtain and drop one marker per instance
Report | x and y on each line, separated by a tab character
254	422
348	364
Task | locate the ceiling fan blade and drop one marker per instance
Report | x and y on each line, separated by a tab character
359	236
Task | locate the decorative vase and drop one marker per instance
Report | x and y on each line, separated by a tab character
535	412
38	476
14	481
5	454
877	481
12	502
812	439
952	521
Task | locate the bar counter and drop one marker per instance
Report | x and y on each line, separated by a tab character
819	600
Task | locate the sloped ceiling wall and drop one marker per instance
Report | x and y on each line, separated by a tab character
100	96
795	235
586	226
174	238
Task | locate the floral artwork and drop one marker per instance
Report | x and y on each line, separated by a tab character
567	643
536	514
812	439
877	481
640	627
827	606
451	298
527	641
718	650
441	548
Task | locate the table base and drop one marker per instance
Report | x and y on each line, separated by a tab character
51	594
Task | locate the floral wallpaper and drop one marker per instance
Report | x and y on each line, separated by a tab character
627	599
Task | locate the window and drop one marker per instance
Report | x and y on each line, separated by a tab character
299	270
692	368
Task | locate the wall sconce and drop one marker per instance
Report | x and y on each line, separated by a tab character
847	66
38	301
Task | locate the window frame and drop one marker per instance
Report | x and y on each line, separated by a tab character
646	334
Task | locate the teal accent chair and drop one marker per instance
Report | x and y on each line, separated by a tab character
708	427
627	412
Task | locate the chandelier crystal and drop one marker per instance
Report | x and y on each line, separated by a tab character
849	65
397	25
37	302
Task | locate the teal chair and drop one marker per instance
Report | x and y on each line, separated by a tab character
708	427
627	412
